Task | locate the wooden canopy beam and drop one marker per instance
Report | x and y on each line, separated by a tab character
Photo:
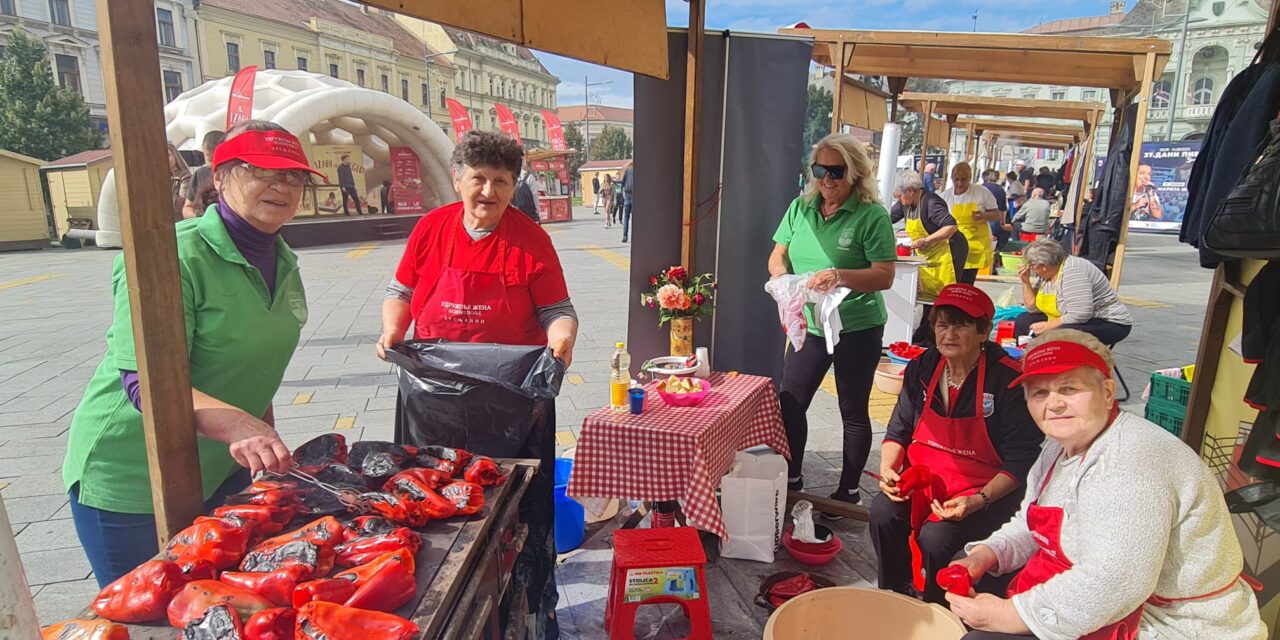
692	131
989	124
961	105
131	64
1150	71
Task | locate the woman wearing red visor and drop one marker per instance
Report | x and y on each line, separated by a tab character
244	308
1123	532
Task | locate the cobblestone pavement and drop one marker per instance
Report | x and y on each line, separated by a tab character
56	306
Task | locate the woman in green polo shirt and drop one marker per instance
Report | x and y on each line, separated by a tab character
244	308
838	231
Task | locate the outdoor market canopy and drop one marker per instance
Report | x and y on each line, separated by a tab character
946	104
1016	127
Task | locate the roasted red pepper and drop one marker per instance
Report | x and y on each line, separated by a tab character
324	589
466	496
362	574
414	491
324	531
219	622
432	478
276	586
362	550
218	541
312	455
955	579
446	459
85	630
271	519
197	597
483	471
914	478
251	527
199	569
328	621
269	556
391	585
283	497
142	594
271	624
394	509
365	526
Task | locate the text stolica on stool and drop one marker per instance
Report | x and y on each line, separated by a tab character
657	566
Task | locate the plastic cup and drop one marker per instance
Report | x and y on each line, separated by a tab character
637	395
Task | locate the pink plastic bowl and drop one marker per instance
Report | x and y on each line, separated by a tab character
813	555
684	399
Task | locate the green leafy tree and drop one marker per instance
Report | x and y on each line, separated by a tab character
573	138
37	117
912	122
817	116
612	144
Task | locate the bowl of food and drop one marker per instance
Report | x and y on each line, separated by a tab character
683	392
889	377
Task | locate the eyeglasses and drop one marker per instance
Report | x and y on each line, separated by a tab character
820	171
290	177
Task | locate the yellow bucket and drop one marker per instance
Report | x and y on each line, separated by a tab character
856	613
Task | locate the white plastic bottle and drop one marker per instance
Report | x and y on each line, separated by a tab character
619	378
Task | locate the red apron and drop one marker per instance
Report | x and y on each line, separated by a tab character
957	450
472	302
1050	560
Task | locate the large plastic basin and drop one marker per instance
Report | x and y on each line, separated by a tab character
857	613
570	518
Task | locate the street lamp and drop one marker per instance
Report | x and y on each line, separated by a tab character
430	109
586	113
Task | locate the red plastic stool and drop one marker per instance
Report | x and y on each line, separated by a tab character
676	559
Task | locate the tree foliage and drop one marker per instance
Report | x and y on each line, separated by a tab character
611	144
913	123
817	116
37	117
573	138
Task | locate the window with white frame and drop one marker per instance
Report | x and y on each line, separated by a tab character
172	85
301	61
164	28
404	89
8	8
1160	91
233	56
360	76
68	71
1089	95
1202	92
269	58
60	12
1058	94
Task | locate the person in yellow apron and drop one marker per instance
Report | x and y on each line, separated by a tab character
973	210
1068	292
932	230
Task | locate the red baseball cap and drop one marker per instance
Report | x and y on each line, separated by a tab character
1059	356
968	299
266	150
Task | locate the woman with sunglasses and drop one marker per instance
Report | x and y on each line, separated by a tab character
244	308
838	231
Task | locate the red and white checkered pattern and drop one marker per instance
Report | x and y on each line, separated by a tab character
678	453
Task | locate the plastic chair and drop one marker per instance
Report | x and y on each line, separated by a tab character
1119	378
676	560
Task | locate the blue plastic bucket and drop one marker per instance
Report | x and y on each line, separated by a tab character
570	517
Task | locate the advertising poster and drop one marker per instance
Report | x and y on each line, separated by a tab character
555	131
507	121
406	182
458	114
240	102
327	157
1160	193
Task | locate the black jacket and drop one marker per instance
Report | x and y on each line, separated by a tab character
524	201
345	179
1015	437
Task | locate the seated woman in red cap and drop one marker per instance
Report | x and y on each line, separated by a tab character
958	447
1123	533
244	310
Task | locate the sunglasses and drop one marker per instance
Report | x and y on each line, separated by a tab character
290	177
820	171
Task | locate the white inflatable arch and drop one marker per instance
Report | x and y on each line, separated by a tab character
314	107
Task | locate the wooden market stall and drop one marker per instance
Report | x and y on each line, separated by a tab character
552	169
597	169
24	224
1127	67
75	183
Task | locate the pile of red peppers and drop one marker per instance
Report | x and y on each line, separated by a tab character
248	571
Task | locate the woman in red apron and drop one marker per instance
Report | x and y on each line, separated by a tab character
956	417
1124	534
479	270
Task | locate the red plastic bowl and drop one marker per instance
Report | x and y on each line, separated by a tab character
812	554
684	399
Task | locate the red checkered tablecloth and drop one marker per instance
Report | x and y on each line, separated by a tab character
678	453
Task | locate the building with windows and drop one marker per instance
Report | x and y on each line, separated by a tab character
1221	39
592	121
487	71
358	44
69	30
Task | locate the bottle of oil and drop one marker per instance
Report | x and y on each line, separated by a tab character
619	378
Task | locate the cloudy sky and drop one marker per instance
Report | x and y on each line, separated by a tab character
768	15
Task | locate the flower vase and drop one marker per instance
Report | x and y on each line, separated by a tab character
682	337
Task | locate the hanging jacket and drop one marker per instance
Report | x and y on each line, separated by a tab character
1113	191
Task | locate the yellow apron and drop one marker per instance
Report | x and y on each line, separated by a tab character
1047	303
939	270
977	232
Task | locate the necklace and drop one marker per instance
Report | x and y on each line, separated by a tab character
954	382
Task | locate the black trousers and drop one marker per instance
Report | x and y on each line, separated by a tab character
855	360
1109	333
939	542
350	192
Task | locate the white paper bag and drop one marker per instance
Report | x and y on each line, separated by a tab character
753	499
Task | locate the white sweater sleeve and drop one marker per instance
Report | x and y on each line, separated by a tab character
1123	520
1012	543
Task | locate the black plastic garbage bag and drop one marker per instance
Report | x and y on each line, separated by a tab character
485	398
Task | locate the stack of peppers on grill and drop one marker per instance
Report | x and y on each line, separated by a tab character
243	573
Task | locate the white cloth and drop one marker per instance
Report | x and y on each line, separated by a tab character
975	194
792	293
1142	515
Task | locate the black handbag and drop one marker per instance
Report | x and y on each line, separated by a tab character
1246	223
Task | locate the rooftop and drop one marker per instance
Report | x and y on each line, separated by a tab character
574	113
80	159
469	39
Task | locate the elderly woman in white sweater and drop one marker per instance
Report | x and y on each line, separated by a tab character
1123	532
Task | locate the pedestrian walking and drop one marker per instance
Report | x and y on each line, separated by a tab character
595	191
626	201
347	184
617	200
606	194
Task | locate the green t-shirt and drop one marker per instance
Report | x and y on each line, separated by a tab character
859	234
239	341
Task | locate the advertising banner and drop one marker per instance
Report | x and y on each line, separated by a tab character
507	121
406	182
1160	193
240	103
555	131
461	121
326	158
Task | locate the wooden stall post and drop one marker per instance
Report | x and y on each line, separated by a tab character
927	113
1140	124
837	89
131	63
692	129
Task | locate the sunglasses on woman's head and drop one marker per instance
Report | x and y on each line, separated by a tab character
820	171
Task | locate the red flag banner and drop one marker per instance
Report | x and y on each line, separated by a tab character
555	131
406	181
240	104
507	121
461	121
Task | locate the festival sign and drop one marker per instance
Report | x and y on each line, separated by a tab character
406	182
1160	193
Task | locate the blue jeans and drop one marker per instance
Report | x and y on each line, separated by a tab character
626	218
117	542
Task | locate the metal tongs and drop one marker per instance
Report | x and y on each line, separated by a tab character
350	498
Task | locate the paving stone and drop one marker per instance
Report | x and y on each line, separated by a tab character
340	407
309	424
38	485
63	600
59	565
30	465
34	508
48	535
33	447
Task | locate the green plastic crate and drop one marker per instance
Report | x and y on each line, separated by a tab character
1173	390
1166	414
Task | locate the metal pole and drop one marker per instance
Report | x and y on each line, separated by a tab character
586	118
1177	77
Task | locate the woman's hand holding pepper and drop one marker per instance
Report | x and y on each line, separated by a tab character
889	485
257	447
